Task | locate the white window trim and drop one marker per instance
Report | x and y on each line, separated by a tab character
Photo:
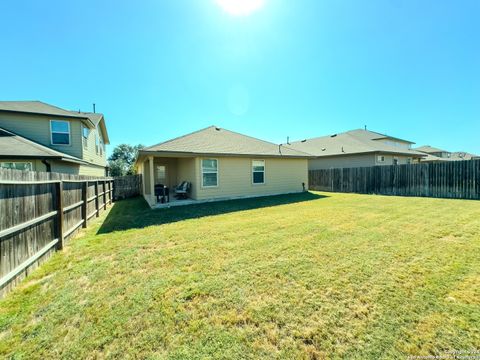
59	132
264	171
209	172
379	158
17	162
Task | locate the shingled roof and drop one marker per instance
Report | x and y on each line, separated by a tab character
430	149
216	141
16	146
352	142
41	108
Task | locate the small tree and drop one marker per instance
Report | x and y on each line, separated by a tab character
122	160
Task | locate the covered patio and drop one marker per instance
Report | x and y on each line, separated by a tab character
169	171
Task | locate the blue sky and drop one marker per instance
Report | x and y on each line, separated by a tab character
304	68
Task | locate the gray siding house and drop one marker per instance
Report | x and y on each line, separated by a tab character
356	148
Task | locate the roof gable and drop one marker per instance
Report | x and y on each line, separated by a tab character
214	140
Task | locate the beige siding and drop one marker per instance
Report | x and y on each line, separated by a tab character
186	172
92	170
37	128
389	159
329	162
235	178
89	152
351	161
64	167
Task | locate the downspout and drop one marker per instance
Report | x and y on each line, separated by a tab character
47	165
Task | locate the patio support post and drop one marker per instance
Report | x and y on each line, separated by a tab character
152	180
142	171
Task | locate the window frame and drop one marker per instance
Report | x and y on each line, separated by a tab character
60	132
381	158
209	172
16	162
264	171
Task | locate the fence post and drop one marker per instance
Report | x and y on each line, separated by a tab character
105	195
109	192
59	206
96	199
84	205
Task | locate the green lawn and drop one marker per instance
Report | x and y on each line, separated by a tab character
315	275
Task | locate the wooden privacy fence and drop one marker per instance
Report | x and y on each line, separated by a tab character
39	212
452	179
127	186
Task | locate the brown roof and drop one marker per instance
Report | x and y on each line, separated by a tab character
214	140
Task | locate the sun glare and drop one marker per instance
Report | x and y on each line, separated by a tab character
240	7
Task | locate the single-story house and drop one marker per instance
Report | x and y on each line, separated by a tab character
222	164
356	148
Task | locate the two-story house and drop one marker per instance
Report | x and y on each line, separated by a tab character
42	137
357	148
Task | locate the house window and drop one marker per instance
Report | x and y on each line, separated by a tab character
395	161
60	132
209	172
409	160
381	158
258	171
161	174
16	165
85	133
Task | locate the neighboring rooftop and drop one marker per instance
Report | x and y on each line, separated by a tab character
16	146
218	141
430	149
354	142
460	155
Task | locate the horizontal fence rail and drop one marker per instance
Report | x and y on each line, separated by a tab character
450	179
39	212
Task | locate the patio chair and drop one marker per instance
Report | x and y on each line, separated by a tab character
181	191
162	193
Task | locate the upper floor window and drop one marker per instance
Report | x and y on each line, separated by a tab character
209	172
258	171
85	133
60	132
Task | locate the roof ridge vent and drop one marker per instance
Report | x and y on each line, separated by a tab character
304	140
217	128
334	135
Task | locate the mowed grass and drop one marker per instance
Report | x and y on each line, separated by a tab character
315	275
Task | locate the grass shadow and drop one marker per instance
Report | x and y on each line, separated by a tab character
135	213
